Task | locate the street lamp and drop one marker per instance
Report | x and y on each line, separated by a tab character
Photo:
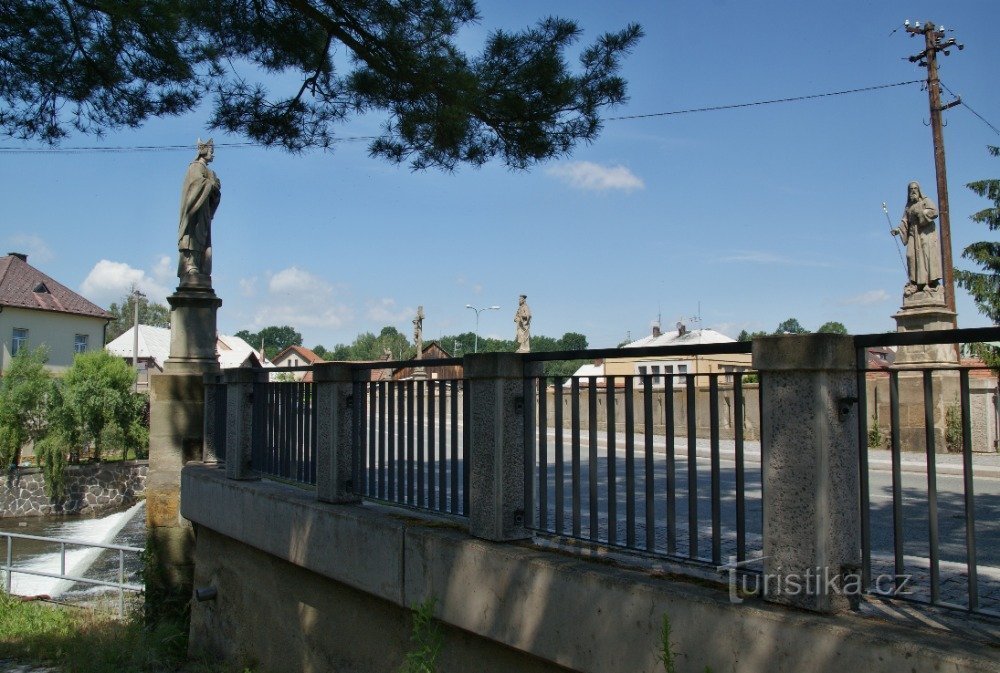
478	311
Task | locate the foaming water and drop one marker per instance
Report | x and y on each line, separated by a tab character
78	559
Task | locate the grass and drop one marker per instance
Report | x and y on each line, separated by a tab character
84	640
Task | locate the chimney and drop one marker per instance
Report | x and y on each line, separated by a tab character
20	255
656	330
681	329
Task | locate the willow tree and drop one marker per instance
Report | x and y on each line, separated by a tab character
104	64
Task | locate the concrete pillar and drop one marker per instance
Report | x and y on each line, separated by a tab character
239	422
812	523
334	401
211	451
496	453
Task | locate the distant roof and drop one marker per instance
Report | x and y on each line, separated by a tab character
675	338
307	355
24	286
154	344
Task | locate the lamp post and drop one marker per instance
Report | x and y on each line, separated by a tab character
136	294
478	311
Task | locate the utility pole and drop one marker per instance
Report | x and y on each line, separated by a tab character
933	43
136	295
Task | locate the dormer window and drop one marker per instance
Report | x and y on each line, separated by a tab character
41	288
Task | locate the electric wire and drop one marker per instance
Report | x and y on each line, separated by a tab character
966	106
734	106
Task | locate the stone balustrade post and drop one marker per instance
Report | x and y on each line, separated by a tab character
334	402
211	451
496	453
239	422
809	424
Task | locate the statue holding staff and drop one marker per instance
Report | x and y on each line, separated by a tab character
200	196
418	331
522	322
923	248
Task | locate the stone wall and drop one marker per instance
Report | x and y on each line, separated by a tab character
90	489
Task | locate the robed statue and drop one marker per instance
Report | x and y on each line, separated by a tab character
418	331
522	323
200	197
923	248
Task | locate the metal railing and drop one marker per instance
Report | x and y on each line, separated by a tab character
284	430
10	569
409	440
650	463
927	518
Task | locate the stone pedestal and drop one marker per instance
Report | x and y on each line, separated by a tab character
419	374
177	433
920	316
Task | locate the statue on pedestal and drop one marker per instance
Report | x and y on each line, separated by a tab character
418	331
522	322
200	196
923	249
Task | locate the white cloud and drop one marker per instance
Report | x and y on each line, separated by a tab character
762	257
301	299
865	298
165	269
33	246
594	177
384	311
248	286
109	281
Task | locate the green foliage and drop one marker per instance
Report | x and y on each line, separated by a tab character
790	326
984	285
666	649
832	327
50	452
150	313
426	638
750	336
24	391
95	66
876	438
274	338
953	429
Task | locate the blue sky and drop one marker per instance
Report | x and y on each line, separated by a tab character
746	216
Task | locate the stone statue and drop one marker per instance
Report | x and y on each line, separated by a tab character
923	249
522	320
200	197
418	331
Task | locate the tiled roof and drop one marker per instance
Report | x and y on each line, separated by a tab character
24	286
307	355
154	343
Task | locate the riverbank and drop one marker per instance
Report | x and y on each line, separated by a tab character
90	489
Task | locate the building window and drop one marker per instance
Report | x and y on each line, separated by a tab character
19	341
657	372
80	343
730	371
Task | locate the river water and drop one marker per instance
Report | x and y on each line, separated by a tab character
124	527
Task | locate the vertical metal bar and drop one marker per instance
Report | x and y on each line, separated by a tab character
530	408
543	454
741	506
629	462
421	485
650	494
670	450
692	468
312	440
300	433
932	513
861	363
443	446
410	441
972	568
559	475
10	563
358	452
454	446
373	437
431	432
390	425
466	443
574	400
401	440
713	416
592	497
612	433
121	583
897	479
383	428
62	558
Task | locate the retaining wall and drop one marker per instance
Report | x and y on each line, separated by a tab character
90	489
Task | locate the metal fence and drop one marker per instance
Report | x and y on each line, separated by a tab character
284	430
651	463
409	441
928	518
121	585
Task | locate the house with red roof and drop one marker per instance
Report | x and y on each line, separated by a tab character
36	309
295	356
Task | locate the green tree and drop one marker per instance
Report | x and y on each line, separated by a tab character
791	326
150	313
98	406
750	336
274	338
832	327
24	389
984	285
103	65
